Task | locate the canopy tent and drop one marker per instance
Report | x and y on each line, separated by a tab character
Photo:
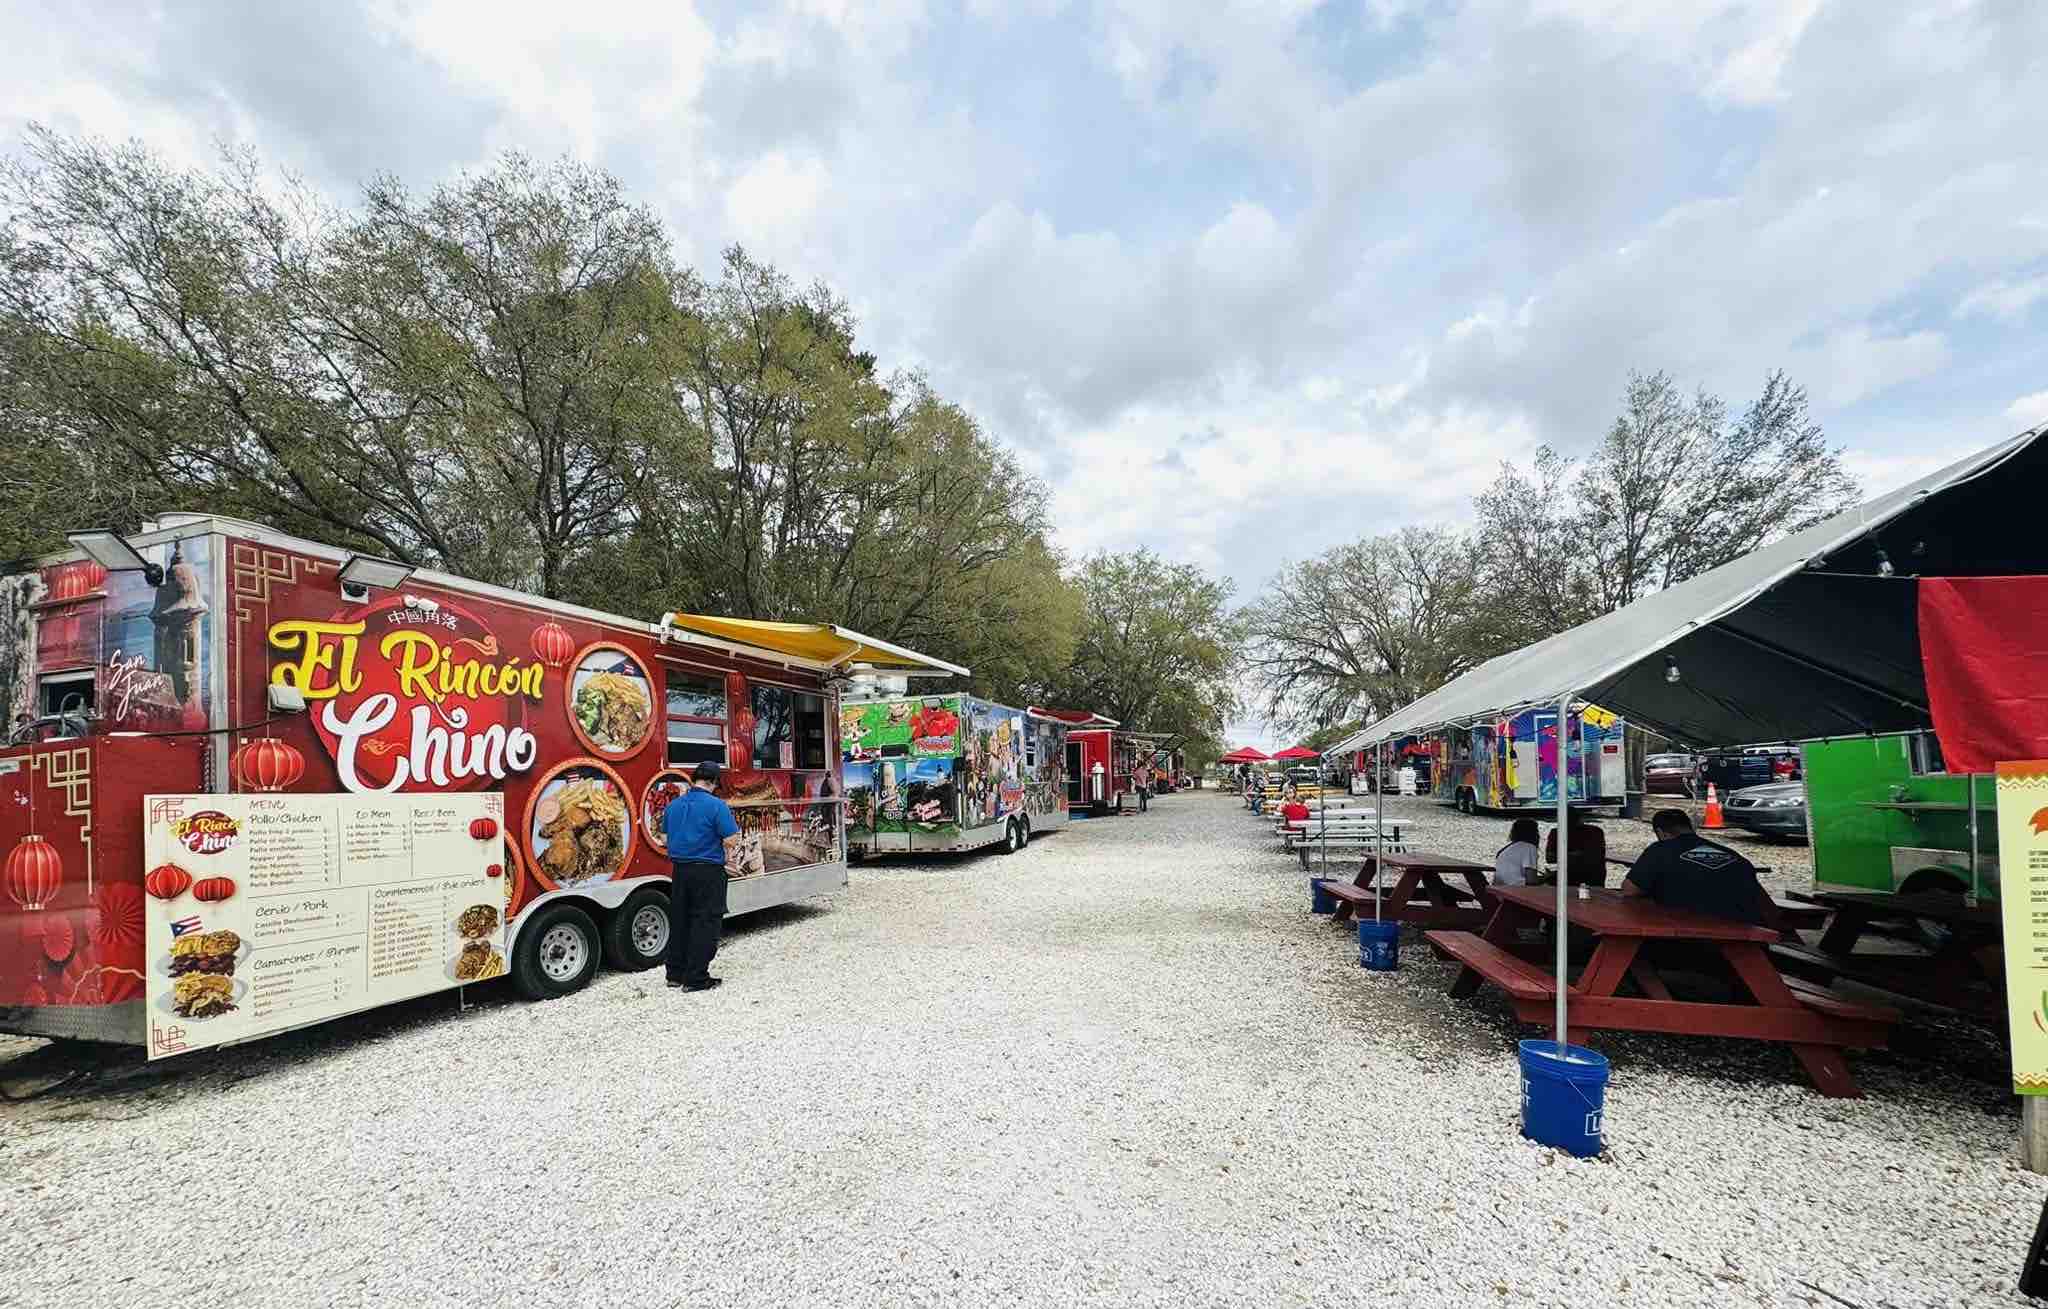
1802	639
1810	637
818	645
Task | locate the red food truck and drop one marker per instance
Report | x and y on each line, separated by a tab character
324	741
1102	760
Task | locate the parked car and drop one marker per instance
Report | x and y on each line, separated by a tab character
1669	774
1773	809
1732	770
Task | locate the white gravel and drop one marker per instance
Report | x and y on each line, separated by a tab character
1123	1067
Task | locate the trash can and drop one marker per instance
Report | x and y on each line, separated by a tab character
1320	901
1379	945
1564	1096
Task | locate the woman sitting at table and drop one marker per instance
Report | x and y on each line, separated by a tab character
1294	812
1515	863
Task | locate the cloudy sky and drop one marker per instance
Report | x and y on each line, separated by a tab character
1240	280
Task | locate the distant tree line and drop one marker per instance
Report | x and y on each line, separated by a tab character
513	378
1675	488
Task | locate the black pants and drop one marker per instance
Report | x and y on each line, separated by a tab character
696	915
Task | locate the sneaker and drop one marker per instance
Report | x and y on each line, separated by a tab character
704	985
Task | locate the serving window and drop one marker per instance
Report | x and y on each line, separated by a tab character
696	718
789	728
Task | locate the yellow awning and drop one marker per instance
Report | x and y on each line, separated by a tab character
819	643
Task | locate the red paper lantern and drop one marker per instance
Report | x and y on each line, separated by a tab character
212	889
167	881
495	870
553	645
34	872
268	764
483	829
76	581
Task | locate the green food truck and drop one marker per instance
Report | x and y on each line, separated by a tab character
1885	815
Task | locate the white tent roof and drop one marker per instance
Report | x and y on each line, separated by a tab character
1767	648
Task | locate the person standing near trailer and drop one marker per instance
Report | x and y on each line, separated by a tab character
701	834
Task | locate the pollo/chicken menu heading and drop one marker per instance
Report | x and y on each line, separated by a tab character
267	912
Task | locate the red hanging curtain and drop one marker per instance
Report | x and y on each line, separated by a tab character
1984	647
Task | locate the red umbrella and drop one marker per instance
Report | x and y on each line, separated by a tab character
1244	754
1297	752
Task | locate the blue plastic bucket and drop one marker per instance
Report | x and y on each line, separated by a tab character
1564	1093
1379	945
1319	900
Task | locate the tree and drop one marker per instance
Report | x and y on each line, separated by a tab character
1674	490
1158	648
508	377
1363	629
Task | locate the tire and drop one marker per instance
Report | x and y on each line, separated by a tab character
1025	825
636	935
1012	842
558	953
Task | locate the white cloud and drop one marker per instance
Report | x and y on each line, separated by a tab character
2029	410
2004	300
774	200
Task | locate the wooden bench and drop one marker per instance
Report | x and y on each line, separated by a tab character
1488	962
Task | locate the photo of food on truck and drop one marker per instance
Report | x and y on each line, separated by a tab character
422	753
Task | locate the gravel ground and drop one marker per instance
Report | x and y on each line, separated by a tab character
1123	1067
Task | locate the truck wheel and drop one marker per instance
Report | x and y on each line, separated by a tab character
636	935
557	954
1012	842
1024	824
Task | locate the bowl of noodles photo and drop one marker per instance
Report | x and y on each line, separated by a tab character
611	702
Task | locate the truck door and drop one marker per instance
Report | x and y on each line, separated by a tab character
1077	774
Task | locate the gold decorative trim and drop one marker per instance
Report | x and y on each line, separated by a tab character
71	770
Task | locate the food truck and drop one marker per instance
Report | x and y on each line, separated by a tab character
928	774
1884	814
1509	763
253	782
1102	760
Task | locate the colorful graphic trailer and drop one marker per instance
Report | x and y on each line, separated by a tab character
1511	763
241	662
1884	814
926	774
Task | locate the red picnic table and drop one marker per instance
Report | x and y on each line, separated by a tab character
1965	971
1419	896
1817	1025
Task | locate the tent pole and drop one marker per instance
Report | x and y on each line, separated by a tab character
1564	840
1379	824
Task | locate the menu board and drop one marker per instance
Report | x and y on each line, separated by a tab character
266	912
2023	899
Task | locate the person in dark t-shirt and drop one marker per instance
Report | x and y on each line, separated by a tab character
1684	871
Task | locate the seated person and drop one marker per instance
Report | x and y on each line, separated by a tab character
1515	863
1681	870
1293	811
1588	854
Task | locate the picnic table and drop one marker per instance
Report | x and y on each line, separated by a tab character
1633	937
1320	836
1965	972
1419	895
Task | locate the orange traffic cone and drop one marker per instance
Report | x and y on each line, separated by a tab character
1713	815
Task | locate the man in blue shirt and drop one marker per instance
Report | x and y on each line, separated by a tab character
701	833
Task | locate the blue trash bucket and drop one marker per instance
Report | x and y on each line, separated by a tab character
1379	945
1564	1094
1320	901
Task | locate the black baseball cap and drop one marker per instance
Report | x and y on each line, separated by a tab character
707	771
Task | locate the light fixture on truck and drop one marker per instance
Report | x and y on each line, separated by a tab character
362	572
111	551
